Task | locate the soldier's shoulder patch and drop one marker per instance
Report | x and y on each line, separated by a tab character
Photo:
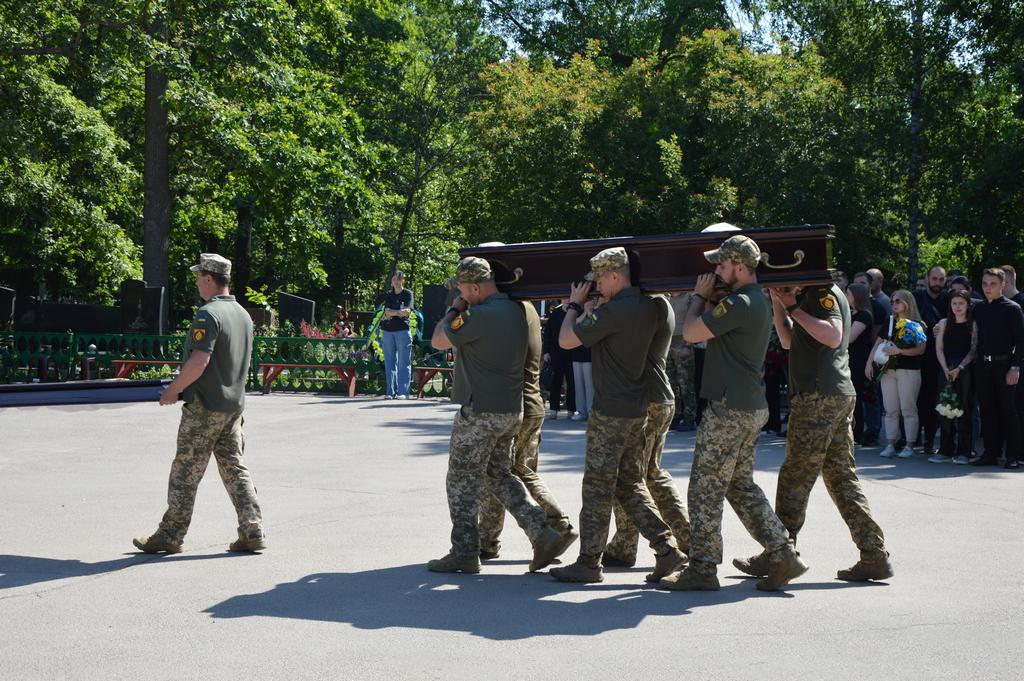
828	302
198	335
459	321
720	310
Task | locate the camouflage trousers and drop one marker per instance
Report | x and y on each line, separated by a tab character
682	377
820	440
723	468
200	433
525	455
479	462
615	470
659	484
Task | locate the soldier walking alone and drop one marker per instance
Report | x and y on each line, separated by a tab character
212	382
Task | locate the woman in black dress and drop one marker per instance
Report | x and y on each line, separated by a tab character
956	346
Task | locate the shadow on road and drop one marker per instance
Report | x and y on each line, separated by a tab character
18	571
497	607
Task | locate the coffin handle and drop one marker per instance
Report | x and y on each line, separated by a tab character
798	257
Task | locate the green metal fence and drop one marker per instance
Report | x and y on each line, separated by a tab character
69	356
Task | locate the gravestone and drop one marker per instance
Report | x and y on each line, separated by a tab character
142	308
433	306
295	309
6	307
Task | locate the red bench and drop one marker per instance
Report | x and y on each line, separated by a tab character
423	376
273	370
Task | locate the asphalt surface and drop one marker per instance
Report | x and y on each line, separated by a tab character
353	497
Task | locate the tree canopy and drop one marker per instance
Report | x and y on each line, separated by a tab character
319	144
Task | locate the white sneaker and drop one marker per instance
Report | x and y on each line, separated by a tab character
389	397
888	452
939	458
578	417
906	453
961	460
402	397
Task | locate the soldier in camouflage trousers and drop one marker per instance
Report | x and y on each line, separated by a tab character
212	383
623	546
492	336
682	376
525	455
736	330
816	329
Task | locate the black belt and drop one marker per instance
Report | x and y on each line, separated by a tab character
994	358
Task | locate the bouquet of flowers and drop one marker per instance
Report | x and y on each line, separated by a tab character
906	333
909	333
949	404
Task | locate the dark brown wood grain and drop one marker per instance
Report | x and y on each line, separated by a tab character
660	263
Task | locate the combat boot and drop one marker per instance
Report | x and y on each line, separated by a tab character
784	565
453	563
248	544
868	570
691	578
492	552
550	545
755	566
158	542
578	572
666	564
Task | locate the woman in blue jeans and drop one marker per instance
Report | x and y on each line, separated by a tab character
396	341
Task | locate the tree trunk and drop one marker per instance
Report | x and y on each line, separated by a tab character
241	270
156	207
403	227
914	144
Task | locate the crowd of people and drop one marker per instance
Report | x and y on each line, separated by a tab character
943	349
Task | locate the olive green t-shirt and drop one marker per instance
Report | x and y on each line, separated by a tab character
533	402
659	389
619	335
224	329
491	341
734	360
814	367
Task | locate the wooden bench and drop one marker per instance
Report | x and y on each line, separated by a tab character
125	367
423	376
273	370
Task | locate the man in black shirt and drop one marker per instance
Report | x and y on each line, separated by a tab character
1010	291
396	340
873	400
933	304
1000	325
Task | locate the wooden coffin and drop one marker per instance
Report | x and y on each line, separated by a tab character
662	263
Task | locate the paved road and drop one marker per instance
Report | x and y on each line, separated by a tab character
353	494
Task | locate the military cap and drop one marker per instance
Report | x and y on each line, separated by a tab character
211	262
737	248
472	270
608	260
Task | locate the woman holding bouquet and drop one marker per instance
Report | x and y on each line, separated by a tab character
956	346
904	342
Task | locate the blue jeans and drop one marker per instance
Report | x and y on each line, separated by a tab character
397	346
